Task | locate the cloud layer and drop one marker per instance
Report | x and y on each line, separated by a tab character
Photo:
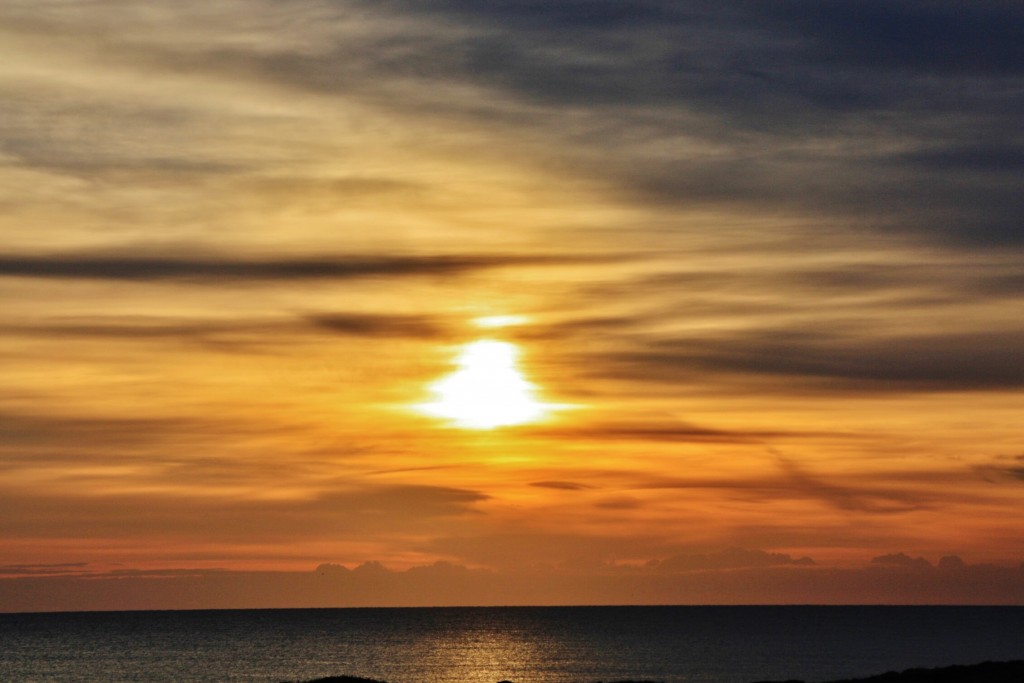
762	260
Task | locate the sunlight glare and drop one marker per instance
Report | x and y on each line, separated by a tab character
487	389
496	321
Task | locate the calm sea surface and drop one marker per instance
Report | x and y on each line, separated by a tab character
486	645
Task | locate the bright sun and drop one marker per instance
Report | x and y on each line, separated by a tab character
487	390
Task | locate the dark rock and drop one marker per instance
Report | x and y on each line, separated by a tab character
986	672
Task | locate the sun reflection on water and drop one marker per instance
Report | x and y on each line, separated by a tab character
487	656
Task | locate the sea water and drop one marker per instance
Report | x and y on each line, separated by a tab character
487	645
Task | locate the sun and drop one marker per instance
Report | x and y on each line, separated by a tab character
487	389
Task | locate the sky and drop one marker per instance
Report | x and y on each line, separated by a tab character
429	302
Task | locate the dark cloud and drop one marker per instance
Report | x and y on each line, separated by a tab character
661	432
1008	284
901	560
899	115
943	37
540	15
919	102
331	569
223	336
374	325
832	360
978	156
1009	468
925	280
742	56
223	333
212	270
935	36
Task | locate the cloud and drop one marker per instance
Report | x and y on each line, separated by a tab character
55	569
876	499
367	512
938	37
674	432
29	432
833	361
970	156
378	325
883	116
523	550
901	560
930	284
891	493
163	573
214	270
811	108
331	569
1002	469
560	485
222	333
729	558
729	577
108	135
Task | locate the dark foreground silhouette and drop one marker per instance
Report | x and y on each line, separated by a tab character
986	672
357	679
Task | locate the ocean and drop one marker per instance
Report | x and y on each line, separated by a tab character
491	644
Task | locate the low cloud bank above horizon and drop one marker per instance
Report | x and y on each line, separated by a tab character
729	576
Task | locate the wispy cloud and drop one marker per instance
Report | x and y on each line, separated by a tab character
729	558
560	485
56	569
378	325
661	433
200	269
831	361
367	512
797	106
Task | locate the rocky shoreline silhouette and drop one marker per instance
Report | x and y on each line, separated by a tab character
986	672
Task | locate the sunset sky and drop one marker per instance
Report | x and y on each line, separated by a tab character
330	302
